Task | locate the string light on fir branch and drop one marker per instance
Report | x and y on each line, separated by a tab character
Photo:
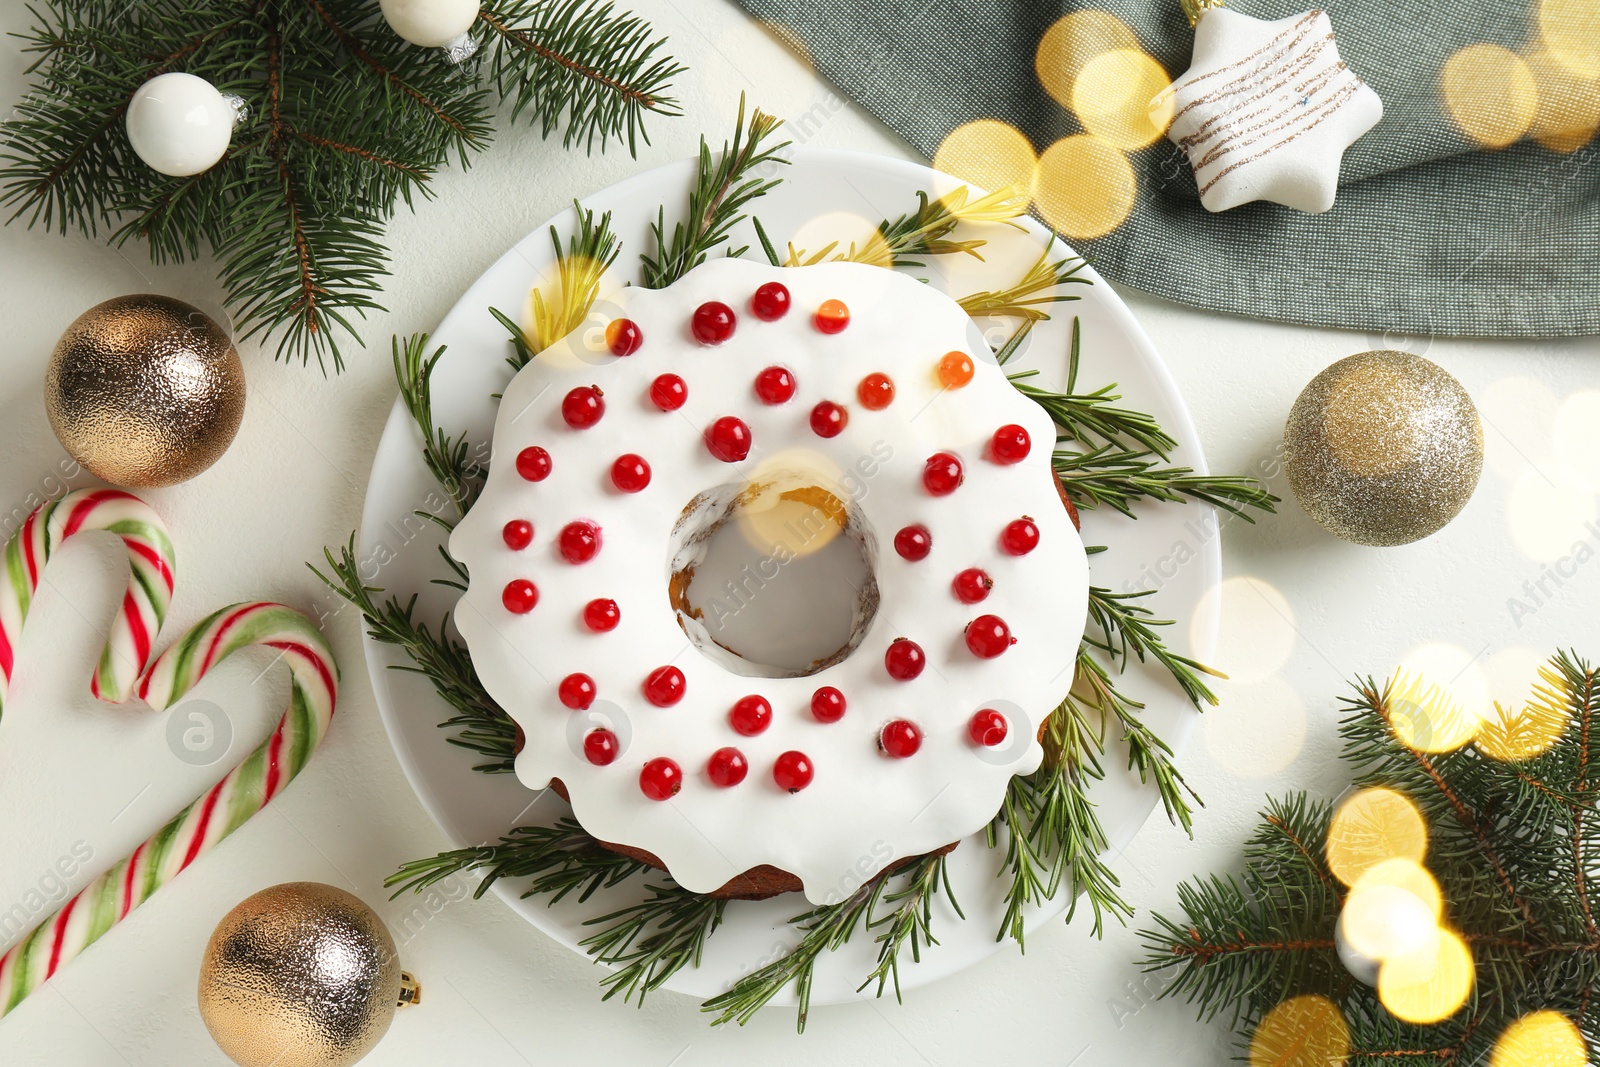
128	129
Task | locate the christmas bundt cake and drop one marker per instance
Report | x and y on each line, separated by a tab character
772	573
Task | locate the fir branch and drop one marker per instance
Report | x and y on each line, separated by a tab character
649	942
346	121
600	70
1128	627
1024	299
448	458
1119	477
903	242
479	724
724	185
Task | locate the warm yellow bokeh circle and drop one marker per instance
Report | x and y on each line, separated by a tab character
1306	1031
1372	826
989	154
1071	42
1086	186
1490	92
1540	1039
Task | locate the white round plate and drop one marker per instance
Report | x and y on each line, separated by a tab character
825	196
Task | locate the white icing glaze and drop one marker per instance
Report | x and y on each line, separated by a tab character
1266	110
863	809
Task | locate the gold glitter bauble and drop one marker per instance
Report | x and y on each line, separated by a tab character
145	391
301	975
1383	448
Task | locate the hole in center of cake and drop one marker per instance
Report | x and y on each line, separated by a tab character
773	578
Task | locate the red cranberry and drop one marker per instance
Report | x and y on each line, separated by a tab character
713	322
900	738
828	419
623	337
1020	537
600	747
750	715
665	686
728	439
904	659
630	473
660	779
972	585
576	691
876	392
988	728
579	541
832	316
793	771
582	407
601	615
668	392
1010	444
827	704
913	542
534	464
771	302
941	475
518	534
520	596
988	636
727	767
775	385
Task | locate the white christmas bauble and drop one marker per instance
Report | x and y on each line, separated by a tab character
430	23
179	124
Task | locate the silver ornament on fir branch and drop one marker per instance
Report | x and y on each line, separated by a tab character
430	23
179	124
1383	448
301	975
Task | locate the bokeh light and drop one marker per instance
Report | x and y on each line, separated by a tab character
1305	1031
1386	922
1568	111
989	154
1577	439
1114	94
1408	876
1525	726
1085	186
1258	730
1371	827
1548	514
1540	1039
1250	626
1437	698
1428	985
1571	31
1490	92
1071	43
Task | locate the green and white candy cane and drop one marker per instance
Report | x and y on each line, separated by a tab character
144	607
247	789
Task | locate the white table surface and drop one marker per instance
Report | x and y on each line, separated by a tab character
77	775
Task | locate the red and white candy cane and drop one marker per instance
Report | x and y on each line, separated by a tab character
144	606
247	789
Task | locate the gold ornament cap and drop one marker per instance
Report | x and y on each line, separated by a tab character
1383	448
301	975
145	391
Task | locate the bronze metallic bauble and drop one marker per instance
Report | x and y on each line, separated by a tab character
145	391
301	975
1383	448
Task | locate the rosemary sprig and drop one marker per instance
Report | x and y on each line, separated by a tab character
722	188
825	929
902	242
1128	627
560	860
1117	477
909	920
651	941
480	725
448	458
579	268
1147	753
1024	299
